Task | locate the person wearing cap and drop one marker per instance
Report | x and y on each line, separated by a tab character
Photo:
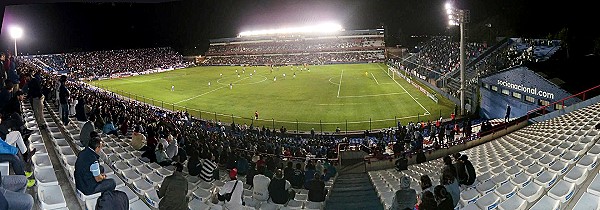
236	188
405	198
173	191
280	189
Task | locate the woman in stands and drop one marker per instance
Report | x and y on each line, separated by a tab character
451	184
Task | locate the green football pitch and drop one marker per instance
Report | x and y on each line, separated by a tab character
347	96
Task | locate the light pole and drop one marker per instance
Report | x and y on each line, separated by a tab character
459	17
16	33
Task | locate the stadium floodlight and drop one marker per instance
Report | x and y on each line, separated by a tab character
15	32
314	29
458	17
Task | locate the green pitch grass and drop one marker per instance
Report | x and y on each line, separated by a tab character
349	96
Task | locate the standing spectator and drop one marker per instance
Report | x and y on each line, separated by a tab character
12	193
459	166
316	189
89	174
37	99
2	70
507	115
280	189
86	130
235	187
405	198
173	191
80	112
64	96
260	192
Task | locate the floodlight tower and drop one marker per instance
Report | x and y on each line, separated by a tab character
16	32
459	17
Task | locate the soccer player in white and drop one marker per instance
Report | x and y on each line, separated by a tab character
172	87
294	75
274	79
208	84
283	75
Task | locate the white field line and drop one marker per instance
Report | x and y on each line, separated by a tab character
375	78
373	95
184	100
332	82
421	105
340	85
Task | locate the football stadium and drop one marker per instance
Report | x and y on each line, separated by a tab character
323	105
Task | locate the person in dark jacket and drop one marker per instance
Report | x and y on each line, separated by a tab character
288	171
316	189
194	165
89	174
404	198
428	201
459	166
470	170
280	189
64	98
37	98
173	191
298	181
443	198
80	109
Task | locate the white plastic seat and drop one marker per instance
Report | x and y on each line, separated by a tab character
129	176
294	204
484	177
134	162
84	197
472	206
526	163
154	179
588	162
506	191
130	194
301	197
196	204
560	167
535	170
521	180
570	157
513	203
546	203
121	165
546	179
594	187
90	204
489	201
41	161
138	205
562	191
547	161
201	194
163	172
313	205
576	175
514	171
151	198
587	201
69	160
595	150
141	186
153	166
557	152
45	176
531	192
500	179
51	197
143	170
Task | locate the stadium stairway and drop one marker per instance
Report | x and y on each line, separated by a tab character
353	191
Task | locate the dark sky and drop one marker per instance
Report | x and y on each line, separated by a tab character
187	25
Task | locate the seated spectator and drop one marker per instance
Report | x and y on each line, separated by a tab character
138	140
309	173
161	156
428	201
425	185
443	198
80	113
405	198
12	193
88	127
459	166
89	174
208	167
242	165
288	172
260	191
470	170
173	191
109	128
316	189
326	176
449	181
16	164
280	189
194	166
236	188
298	181
448	166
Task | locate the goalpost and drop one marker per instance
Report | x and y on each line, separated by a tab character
391	73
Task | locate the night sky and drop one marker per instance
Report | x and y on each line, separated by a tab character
187	25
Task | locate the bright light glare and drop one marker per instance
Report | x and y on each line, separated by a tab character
15	32
320	28
448	6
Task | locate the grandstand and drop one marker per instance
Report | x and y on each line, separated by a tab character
352	46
